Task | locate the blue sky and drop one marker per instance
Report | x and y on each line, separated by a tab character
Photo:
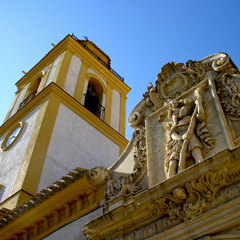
139	36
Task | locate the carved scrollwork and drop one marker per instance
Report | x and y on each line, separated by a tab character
124	185
229	95
135	119
195	70
172	81
140	158
190	201
153	97
221	63
128	183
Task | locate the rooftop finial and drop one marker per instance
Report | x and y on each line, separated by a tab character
86	38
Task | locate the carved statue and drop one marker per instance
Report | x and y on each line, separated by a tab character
187	133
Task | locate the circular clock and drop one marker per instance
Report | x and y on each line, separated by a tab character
12	136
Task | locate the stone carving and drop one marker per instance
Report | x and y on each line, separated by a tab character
221	63
135	119
153	97
187	132
152	229
98	176
229	95
195	70
128	183
140	157
172	81
124	185
190	201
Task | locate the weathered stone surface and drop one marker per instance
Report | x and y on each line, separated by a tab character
179	177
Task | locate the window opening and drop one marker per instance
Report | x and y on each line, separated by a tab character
31	93
93	98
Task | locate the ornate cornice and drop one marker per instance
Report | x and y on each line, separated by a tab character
182	198
72	196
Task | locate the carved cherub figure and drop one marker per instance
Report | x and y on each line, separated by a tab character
173	111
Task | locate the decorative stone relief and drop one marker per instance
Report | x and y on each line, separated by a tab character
128	183
124	185
135	119
187	132
152	229
172	81
190	201
140	158
229	95
98	176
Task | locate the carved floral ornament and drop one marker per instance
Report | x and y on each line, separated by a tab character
190	201
229	94
185	202
176	78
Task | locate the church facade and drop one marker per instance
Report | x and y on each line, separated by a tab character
177	178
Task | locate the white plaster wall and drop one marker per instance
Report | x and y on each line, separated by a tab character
11	160
104	100
72	75
91	71
115	113
84	92
52	71
73	230
16	105
75	143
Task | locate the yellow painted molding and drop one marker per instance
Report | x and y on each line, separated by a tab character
50	99
46	61
92	75
89	117
73	47
62	68
70	203
81	81
23	112
33	161
12	201
44	79
23	95
74	105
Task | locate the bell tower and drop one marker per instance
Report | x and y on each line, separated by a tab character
68	112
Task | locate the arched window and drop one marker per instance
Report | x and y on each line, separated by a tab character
31	93
93	98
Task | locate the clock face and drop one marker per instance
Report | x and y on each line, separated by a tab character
12	136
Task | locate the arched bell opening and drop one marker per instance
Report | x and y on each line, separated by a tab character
31	92
93	98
